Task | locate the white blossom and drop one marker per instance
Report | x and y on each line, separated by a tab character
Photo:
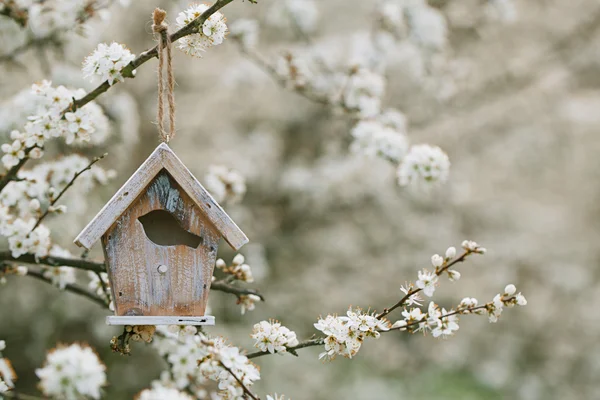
271	336
427	26
238	269
413	298
521	300
212	33
437	261
510	289
7	373
71	373
450	253
225	185
246	31
106	63
424	166
363	92
60	276
247	302
473	247
427	282
163	393
453	275
302	14
373	138
346	334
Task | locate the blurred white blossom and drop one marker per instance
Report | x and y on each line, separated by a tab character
225	185
424	166
71	373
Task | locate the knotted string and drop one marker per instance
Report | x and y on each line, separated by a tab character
164	42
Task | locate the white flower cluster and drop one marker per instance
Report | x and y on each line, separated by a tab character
20	207
293	71
55	16
508	299
225	185
383	136
71	373
424	167
195	358
212	32
427	25
60	276
363	92
7	373
346	334
246	31
159	392
247	302
427	281
47	122
273	337
301	14
437	320
42	183
106	63
238	269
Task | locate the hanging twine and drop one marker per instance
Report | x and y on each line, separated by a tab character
164	42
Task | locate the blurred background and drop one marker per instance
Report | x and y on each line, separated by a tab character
514	100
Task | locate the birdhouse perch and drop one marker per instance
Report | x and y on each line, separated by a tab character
160	233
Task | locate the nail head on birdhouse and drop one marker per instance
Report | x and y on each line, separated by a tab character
162	219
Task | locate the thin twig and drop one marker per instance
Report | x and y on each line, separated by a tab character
70	288
272	72
414	291
104	288
11	175
307	343
71	182
21	396
222	286
244	388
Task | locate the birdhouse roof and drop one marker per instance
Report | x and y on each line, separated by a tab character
162	158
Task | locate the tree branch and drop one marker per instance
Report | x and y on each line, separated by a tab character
54	261
412	292
307	343
191	28
223	286
11	175
71	182
70	288
247	391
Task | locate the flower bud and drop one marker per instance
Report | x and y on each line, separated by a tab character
510	289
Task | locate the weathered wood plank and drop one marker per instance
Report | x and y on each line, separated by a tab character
162	157
225	225
135	262
120	201
160	320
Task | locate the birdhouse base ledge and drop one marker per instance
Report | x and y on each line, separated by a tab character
159	320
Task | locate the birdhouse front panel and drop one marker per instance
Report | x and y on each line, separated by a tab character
161	253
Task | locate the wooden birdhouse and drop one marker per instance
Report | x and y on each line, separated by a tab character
160	234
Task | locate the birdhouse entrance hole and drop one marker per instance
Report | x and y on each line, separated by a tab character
163	229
